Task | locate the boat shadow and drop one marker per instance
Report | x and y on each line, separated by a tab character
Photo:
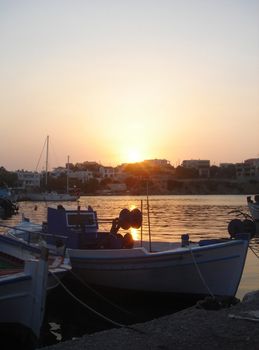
76	309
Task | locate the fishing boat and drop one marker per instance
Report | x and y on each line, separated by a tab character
253	206
7	205
112	260
22	296
24	246
51	196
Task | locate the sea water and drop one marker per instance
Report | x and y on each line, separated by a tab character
165	218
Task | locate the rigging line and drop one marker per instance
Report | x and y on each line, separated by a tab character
254	251
41	154
200	274
100	295
93	310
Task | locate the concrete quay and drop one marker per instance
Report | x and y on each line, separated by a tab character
235	327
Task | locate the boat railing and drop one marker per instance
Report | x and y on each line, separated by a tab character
36	237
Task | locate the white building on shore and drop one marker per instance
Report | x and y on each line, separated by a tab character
28	179
203	166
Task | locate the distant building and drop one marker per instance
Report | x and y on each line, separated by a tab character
158	162
253	161
93	166
28	179
57	172
203	166
81	175
117	187
226	165
107	172
249	170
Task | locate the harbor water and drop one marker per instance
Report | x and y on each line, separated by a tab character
165	218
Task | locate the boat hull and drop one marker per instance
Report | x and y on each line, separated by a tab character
254	210
22	296
22	250
208	270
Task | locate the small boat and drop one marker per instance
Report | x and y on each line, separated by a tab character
23	245
22	295
6	192
253	206
7	206
111	260
51	196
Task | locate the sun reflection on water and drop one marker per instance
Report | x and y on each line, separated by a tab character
135	233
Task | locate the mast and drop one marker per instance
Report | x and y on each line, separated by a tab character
67	173
47	160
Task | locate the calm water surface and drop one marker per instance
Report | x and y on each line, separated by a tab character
170	216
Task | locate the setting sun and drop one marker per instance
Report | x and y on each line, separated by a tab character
133	156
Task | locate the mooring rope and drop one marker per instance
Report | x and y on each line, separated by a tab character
117	324
255	251
100	295
200	274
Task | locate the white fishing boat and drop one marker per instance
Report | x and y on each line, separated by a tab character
109	259
51	196
253	206
24	246
209	269
23	293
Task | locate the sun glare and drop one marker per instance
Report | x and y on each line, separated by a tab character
133	156
135	234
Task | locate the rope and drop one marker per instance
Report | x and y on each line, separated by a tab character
254	251
200	274
117	324
100	295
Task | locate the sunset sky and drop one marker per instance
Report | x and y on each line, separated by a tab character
115	81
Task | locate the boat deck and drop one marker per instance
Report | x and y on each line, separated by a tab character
10	264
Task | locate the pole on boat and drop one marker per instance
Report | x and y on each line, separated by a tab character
148	220
141	227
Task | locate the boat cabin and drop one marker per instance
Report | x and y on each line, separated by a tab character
80	230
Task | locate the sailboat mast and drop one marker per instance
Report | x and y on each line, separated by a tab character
47	160
67	173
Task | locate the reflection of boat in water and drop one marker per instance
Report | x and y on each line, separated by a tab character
253	206
111	260
22	297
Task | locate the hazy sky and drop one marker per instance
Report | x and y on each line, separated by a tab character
122	80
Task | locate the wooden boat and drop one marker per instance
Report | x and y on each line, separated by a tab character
109	259
23	293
